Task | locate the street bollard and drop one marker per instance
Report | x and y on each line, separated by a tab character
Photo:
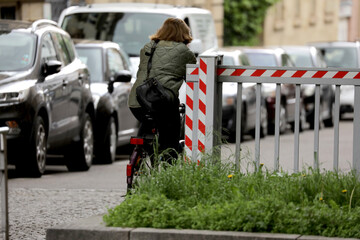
4	184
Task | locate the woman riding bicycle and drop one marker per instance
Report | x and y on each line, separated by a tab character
169	68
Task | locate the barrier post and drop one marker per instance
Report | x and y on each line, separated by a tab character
4	184
209	122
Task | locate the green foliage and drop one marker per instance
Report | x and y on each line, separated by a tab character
213	196
243	21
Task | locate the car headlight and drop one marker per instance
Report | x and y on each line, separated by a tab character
13	97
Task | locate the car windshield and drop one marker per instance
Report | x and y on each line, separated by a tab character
262	59
341	57
130	30
301	58
17	51
93	59
228	60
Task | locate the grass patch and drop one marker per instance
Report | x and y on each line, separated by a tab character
212	196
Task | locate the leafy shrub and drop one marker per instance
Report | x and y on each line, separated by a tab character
213	196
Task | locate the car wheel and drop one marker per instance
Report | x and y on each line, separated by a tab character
264	122
283	119
35	163
80	155
106	151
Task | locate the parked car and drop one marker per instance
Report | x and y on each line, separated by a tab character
342	55
45	97
236	57
110	77
131	24
276	57
309	56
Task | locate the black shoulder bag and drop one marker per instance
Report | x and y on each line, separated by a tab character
151	95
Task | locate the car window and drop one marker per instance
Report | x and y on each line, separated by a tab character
286	61
93	59
243	60
262	59
61	47
115	61
17	51
341	57
70	47
228	60
130	30
48	51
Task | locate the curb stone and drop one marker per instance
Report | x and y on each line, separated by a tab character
93	228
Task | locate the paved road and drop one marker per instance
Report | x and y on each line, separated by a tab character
61	196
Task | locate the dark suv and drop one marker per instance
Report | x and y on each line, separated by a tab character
45	97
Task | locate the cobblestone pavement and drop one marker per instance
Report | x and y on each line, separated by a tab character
32	211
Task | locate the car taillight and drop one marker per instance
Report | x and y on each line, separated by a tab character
136	141
128	170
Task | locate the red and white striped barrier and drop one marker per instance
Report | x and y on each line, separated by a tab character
287	73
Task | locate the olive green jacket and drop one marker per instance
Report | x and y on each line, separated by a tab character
168	66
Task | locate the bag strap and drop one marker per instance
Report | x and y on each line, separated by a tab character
150	58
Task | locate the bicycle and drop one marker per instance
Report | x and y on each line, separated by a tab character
143	156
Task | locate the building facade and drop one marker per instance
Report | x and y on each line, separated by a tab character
298	22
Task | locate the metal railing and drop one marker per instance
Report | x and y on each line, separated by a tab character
205	80
4	183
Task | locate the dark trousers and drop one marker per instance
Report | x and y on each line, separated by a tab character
167	122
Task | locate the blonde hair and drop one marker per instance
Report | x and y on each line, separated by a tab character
173	29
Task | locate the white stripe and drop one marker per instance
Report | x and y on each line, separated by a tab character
268	73
351	75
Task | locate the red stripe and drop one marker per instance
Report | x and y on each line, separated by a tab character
258	73
201	127
203	66
319	74
189	102
357	76
238	72
201	146
202	86
202	107
191	85
278	73
189	122
298	74
188	142
195	72
340	74
220	71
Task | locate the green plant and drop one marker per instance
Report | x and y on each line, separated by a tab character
243	21
214	196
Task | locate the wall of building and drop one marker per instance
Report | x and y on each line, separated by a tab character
298	22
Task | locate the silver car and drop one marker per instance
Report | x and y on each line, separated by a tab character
342	55
276	57
236	57
309	56
110	86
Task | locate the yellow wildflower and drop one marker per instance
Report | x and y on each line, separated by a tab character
320	198
303	175
261	164
230	176
344	191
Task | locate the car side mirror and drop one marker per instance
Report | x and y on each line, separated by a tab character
121	76
51	67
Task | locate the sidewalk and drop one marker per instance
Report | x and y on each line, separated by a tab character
93	228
